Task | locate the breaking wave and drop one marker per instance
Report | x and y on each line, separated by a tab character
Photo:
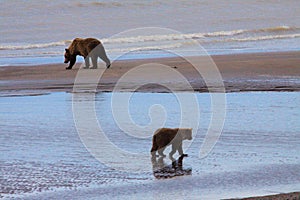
170	37
277	29
278	32
99	4
34	46
268	37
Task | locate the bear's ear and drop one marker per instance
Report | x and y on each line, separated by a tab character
67	50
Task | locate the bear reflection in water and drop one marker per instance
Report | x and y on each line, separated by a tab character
161	170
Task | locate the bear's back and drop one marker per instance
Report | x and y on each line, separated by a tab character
166	131
164	136
86	42
83	46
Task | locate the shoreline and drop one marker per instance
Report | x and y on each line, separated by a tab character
271	71
286	196
57	59
241	73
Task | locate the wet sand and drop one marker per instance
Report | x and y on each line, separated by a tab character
240	72
245	72
285	196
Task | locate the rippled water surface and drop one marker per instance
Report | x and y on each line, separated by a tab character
42	155
221	27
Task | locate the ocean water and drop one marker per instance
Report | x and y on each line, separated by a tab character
35	32
43	157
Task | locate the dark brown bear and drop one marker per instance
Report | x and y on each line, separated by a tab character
168	136
88	48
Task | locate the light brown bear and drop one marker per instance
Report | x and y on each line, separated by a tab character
164	137
88	48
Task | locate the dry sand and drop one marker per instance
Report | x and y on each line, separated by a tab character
240	72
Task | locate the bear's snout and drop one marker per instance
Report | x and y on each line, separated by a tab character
66	61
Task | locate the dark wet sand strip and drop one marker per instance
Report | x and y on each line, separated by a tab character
240	72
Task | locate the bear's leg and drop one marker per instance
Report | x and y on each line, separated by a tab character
87	62
174	149
153	152
154	148
94	61
103	56
160	151
72	62
180	151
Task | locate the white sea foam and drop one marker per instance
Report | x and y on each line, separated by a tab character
277	29
169	37
148	48
267	37
244	35
34	46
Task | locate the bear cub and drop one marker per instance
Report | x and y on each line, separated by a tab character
164	137
88	48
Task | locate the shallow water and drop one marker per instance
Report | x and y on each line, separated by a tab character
42	155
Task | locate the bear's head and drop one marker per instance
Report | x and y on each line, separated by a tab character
67	56
186	133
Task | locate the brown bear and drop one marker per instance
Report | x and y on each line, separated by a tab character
167	136
88	48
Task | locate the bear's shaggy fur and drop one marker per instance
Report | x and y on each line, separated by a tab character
168	136
88	48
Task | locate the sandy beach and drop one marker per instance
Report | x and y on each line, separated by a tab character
87	133
289	196
278	71
266	150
